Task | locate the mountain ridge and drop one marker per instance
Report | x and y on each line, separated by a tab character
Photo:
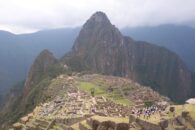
179	39
100	47
17	52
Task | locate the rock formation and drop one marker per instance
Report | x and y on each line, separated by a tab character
100	47
24	96
42	63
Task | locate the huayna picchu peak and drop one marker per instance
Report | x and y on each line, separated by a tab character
98	17
108	81
101	48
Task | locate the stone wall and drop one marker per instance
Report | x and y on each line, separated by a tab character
131	119
50	125
97	125
122	126
147	126
82	127
192	122
107	125
69	121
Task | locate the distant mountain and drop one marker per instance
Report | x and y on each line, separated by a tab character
17	52
180	39
101	48
14	61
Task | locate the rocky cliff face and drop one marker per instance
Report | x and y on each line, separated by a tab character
42	63
100	47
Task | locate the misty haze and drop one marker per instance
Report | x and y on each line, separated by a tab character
97	65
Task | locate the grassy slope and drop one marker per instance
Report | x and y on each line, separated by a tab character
115	96
186	107
178	110
50	88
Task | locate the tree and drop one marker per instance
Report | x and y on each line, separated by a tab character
148	103
172	109
93	92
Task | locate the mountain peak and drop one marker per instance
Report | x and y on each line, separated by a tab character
45	52
41	64
100	47
99	17
97	31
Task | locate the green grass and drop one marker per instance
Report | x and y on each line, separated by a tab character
58	127
191	109
187	107
122	101
75	126
115	96
178	110
89	86
84	123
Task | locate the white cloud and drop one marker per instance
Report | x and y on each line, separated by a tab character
21	16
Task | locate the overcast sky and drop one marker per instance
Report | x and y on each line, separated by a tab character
22	16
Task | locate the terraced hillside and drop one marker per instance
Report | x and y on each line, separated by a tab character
71	102
99	102
183	118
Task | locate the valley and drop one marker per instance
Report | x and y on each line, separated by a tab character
107	81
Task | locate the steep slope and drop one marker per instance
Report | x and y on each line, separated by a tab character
71	105
10	109
69	100
24	97
100	47
179	39
42	63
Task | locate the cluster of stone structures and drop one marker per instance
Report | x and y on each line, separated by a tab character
140	95
180	122
111	109
73	107
77	109
129	90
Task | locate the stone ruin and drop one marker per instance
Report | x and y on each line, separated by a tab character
129	90
73	107
180	122
77	107
94	124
